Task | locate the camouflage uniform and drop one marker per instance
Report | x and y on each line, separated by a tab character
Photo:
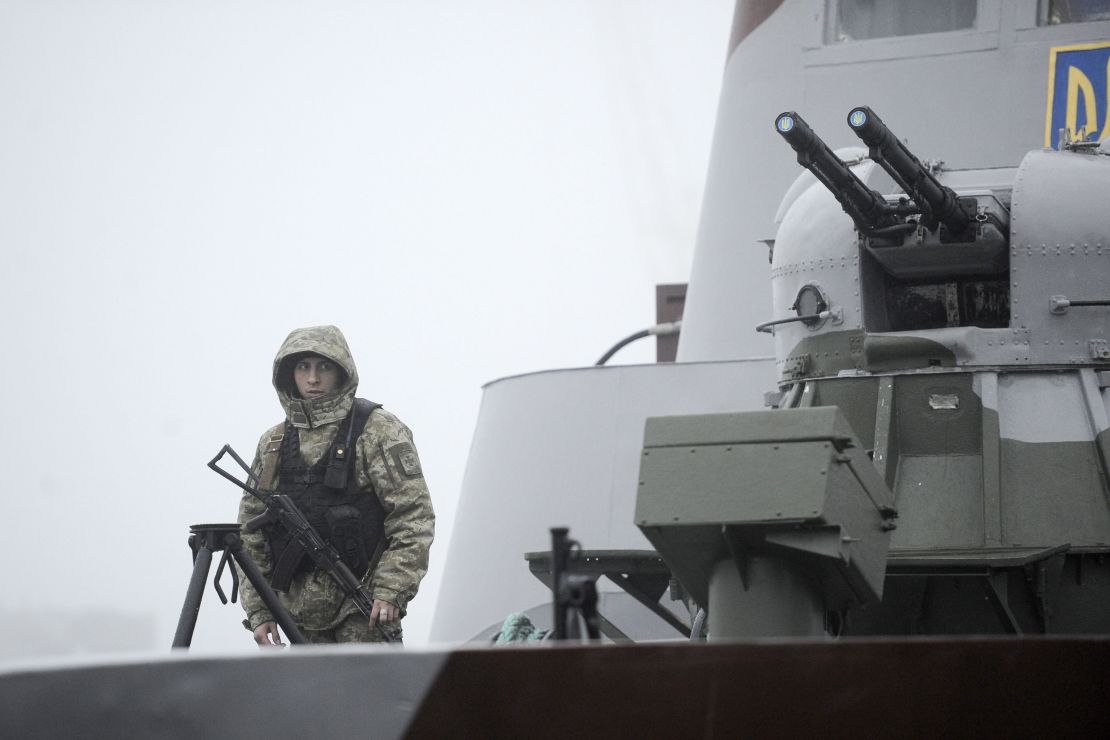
386	465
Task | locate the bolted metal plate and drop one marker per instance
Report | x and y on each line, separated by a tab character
733	483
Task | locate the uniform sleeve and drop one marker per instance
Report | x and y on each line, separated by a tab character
254	543
392	466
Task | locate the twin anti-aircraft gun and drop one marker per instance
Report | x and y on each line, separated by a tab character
888	224
966	234
938	460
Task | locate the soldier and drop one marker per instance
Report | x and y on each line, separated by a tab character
351	467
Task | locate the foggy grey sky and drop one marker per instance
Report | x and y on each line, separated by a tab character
468	189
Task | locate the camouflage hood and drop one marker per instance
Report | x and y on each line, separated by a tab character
326	341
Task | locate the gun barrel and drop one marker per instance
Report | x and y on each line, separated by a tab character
866	207
939	201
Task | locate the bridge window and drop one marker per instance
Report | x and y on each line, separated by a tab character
855	20
1054	12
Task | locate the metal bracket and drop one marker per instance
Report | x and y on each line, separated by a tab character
1099	349
773	399
796	366
997	594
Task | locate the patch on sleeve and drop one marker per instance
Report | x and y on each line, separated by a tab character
407	461
273	442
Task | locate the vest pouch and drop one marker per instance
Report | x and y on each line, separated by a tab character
336	474
345	527
288	557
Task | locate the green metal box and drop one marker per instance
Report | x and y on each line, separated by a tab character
793	483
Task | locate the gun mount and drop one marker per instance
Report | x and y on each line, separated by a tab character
928	257
933	370
925	231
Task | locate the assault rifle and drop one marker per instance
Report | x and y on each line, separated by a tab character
281	510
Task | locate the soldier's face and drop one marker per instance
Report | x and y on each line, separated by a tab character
315	376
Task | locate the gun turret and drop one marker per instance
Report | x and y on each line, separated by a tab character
939	204
929	233
868	209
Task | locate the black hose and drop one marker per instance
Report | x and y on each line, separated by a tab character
627	340
765	327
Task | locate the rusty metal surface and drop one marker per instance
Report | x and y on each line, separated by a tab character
1004	687
884	688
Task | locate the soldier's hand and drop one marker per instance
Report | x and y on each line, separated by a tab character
267	635
383	612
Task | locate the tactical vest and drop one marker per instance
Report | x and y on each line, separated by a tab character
327	493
